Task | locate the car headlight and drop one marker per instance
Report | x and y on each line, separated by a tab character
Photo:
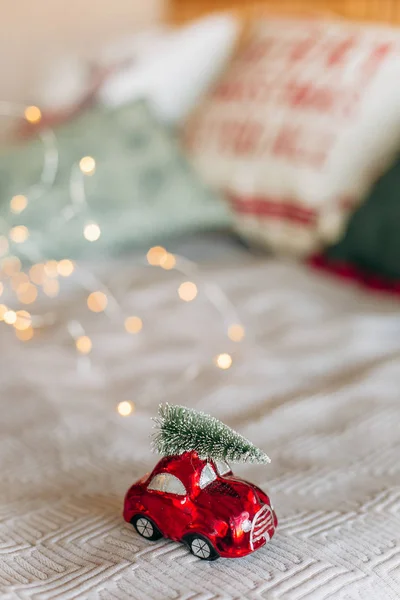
246	525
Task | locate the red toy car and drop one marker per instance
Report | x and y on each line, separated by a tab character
201	503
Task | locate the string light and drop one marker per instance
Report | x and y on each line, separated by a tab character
10	317
133	324
46	274
167	261
19	234
18	204
97	302
236	332
223	361
23	320
51	288
4	246
24	334
155	255
92	232
187	291
125	408
65	267
87	165
83	344
33	114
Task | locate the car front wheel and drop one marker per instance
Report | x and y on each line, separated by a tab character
146	528
200	546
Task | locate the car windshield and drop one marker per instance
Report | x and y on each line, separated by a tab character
207	476
166	482
222	467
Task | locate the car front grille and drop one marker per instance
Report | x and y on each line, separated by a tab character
262	522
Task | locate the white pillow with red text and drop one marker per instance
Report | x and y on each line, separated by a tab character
299	128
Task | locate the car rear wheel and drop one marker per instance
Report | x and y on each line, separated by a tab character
200	547
146	528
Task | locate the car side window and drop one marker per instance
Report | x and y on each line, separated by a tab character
166	482
207	476
222	467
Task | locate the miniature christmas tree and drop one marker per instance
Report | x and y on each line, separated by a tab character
181	429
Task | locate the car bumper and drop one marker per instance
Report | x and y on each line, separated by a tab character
240	546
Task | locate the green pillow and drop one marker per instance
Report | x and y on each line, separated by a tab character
372	240
142	192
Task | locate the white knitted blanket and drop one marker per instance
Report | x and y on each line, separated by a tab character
316	384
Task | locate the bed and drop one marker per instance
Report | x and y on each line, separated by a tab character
315	383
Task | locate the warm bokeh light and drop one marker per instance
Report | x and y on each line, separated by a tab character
1	288
4	245
24	334
187	291
23	321
236	332
51	287
51	269
11	265
133	324
65	267
87	165
19	234
168	261
20	282
10	317
125	408
3	310
37	273
97	301
155	255
32	114
28	295
84	344
18	204
92	232
223	361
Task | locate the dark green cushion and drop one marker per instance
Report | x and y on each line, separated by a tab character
372	238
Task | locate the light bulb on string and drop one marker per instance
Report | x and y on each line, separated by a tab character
187	291
223	361
155	255
125	408
23	320
87	165
19	234
92	232
97	301
18	204
236	332
84	344
65	267
133	324
10	317
33	114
